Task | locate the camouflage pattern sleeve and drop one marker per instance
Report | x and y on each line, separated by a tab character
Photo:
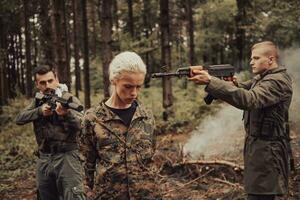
88	148
29	114
147	140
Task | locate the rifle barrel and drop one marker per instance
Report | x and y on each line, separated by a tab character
167	74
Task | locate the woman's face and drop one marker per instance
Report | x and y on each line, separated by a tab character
127	86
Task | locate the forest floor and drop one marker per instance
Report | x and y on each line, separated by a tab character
180	179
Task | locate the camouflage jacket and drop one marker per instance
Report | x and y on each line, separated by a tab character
119	157
265	100
53	133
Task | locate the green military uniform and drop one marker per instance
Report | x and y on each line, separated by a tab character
119	156
59	169
265	101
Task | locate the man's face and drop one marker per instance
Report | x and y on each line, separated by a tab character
127	86
260	62
46	81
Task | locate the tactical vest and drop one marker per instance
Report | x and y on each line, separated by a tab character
57	133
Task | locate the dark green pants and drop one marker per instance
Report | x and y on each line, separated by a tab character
59	176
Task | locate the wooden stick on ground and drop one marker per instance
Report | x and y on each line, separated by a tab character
213	162
192	181
228	183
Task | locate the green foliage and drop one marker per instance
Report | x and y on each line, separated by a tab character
279	21
215	24
9	6
10	15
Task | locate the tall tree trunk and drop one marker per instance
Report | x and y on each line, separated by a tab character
190	28
18	60
65	26
3	73
146	9
115	16
27	50
59	35
240	32
3	97
9	64
22	80
106	38
35	44
47	47
3	79
94	31
12	68
87	100
130	18
76	50
166	57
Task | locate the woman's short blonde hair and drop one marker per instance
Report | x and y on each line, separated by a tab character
126	62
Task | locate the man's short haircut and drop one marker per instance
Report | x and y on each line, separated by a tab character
126	62
42	69
270	48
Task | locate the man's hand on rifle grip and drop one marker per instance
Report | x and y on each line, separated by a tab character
199	75
60	110
195	68
232	79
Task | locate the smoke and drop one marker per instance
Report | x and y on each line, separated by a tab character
218	135
222	135
291	59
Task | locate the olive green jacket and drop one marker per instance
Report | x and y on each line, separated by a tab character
118	159
265	100
52	132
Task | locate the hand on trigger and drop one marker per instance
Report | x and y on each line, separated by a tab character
232	79
60	110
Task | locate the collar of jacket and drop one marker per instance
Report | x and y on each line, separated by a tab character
107	114
271	71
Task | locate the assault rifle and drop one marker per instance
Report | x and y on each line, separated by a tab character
223	71
52	98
